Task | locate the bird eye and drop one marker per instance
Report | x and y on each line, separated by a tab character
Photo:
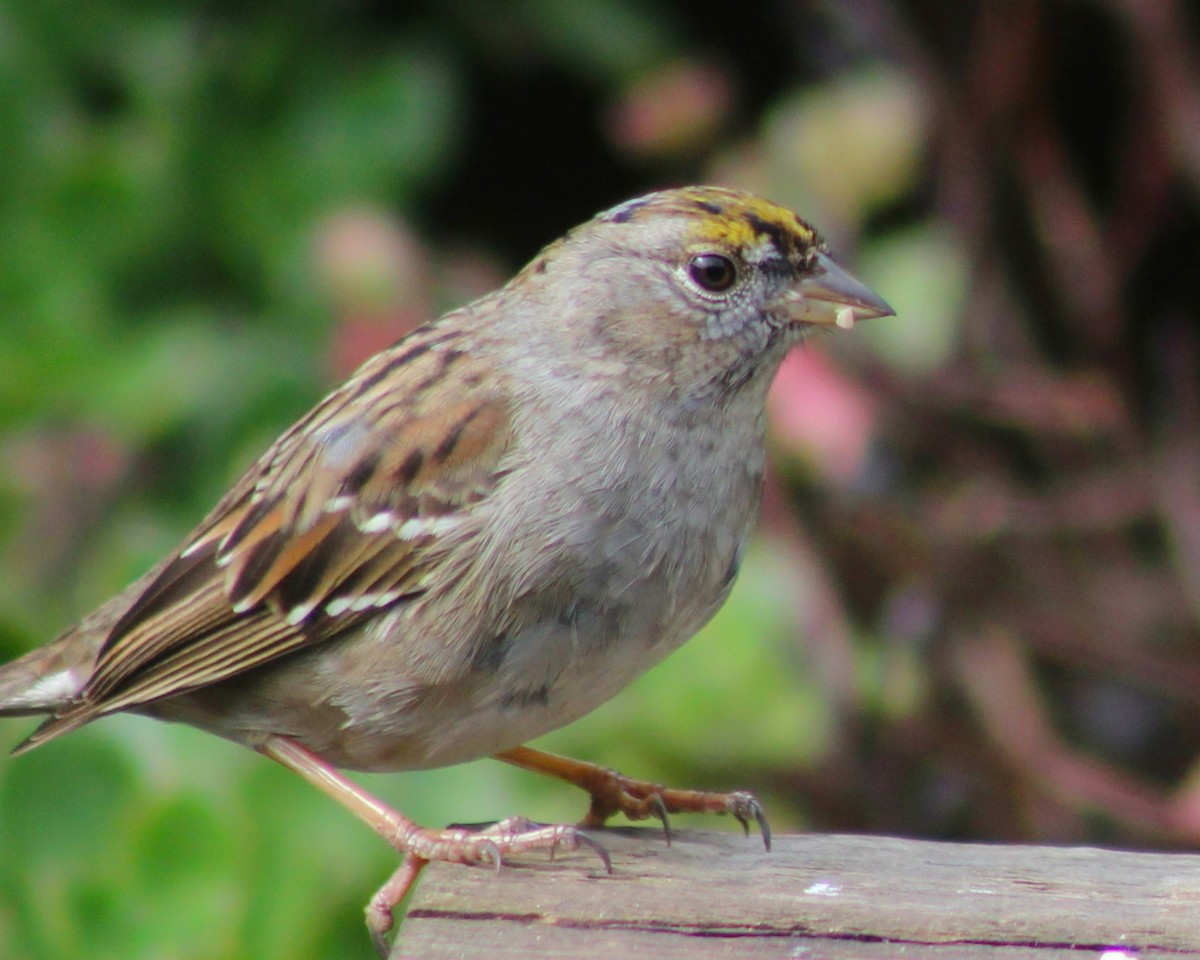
712	271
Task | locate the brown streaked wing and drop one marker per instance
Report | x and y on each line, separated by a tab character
331	524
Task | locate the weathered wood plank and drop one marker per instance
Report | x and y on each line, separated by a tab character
721	895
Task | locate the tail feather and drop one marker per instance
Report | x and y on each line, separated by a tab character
42	681
46	680
52	728
50	679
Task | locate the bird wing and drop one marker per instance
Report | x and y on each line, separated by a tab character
335	522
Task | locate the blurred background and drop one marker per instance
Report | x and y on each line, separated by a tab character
972	611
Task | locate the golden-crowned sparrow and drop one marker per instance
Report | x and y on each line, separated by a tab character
487	531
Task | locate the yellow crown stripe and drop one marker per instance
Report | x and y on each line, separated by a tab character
733	219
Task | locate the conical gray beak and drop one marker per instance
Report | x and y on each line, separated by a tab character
831	296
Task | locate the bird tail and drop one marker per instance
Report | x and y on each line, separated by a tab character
50	679
42	681
47	680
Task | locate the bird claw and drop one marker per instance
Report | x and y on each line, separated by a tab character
639	800
659	809
520	835
597	847
745	806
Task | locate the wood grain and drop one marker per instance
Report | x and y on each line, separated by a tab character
722	895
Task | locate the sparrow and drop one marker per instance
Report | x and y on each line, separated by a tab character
487	531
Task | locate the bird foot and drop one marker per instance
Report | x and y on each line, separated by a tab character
613	793
487	845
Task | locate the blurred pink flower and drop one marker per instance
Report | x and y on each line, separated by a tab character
818	413
674	110
375	272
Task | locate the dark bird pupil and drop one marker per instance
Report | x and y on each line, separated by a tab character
712	271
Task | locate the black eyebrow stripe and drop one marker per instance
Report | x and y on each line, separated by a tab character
773	230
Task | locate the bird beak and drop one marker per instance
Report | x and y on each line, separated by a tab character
831	296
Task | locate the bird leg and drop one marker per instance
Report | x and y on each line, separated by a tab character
613	792
380	906
420	844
